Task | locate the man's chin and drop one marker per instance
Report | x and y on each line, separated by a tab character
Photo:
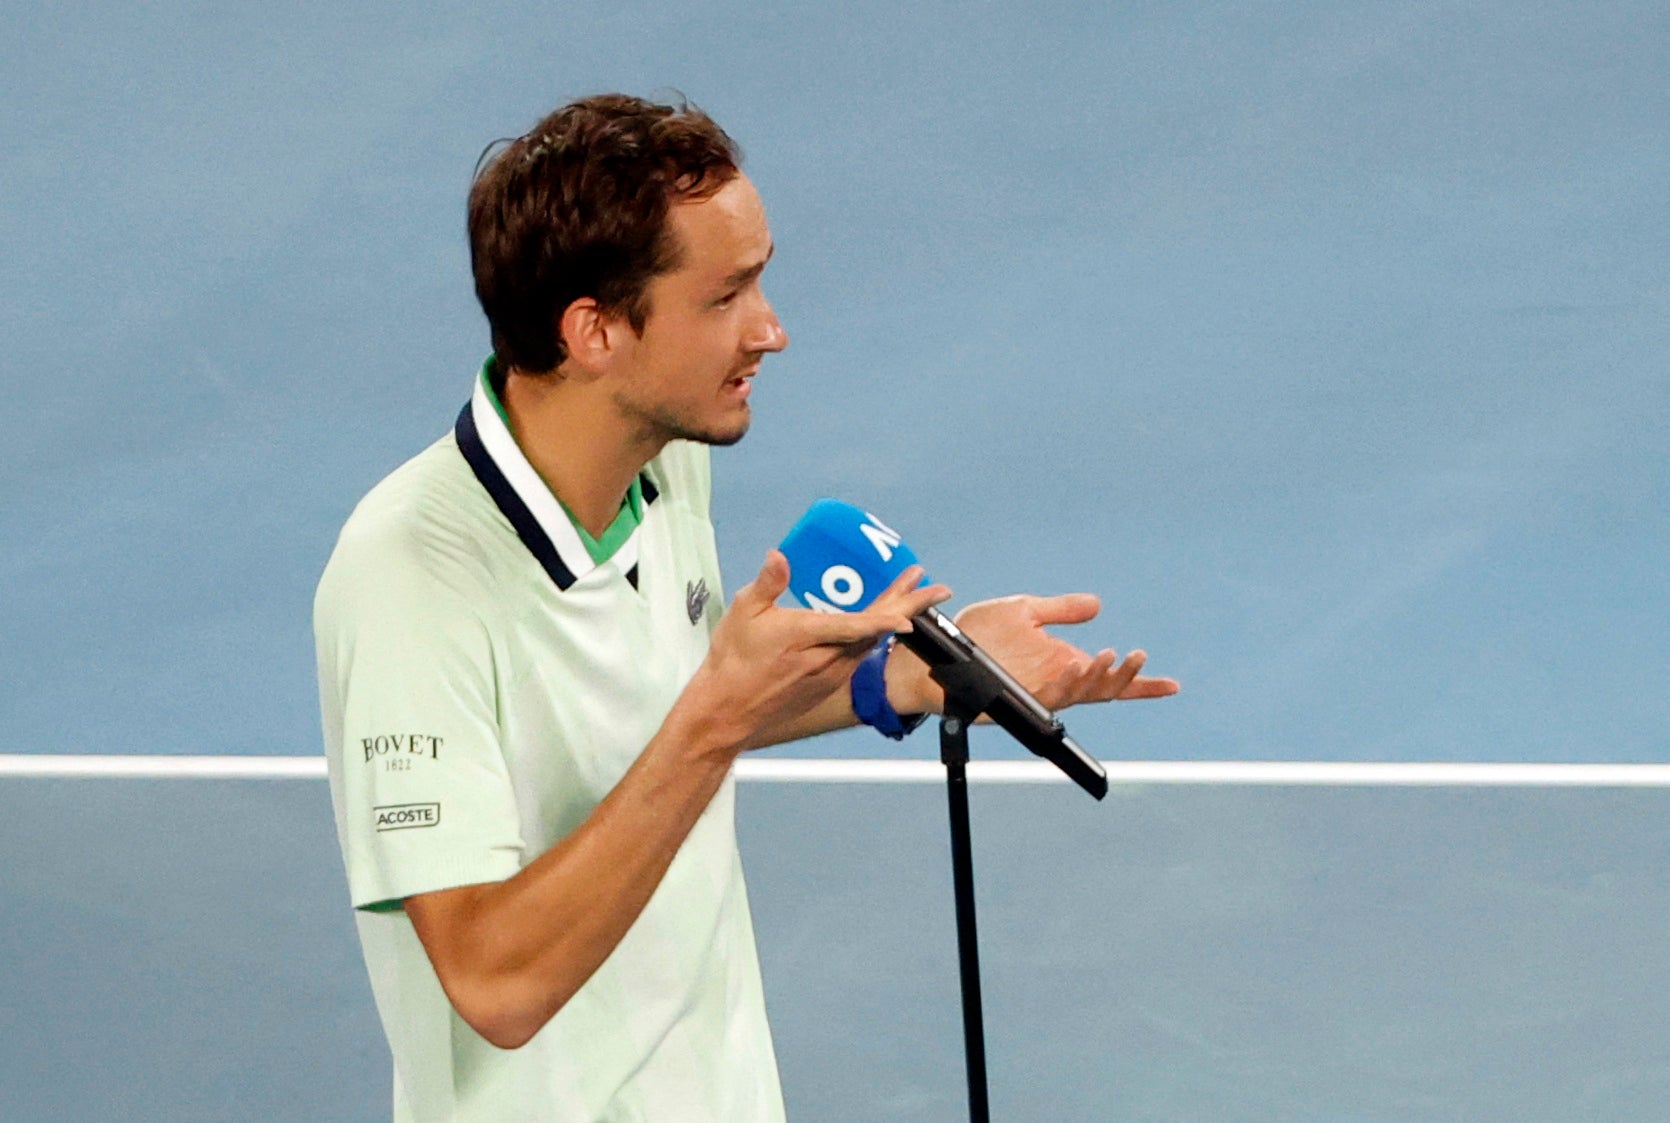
727	437
719	436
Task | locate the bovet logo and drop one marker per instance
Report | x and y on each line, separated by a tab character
406	744
406	816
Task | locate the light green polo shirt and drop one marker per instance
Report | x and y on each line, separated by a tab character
485	680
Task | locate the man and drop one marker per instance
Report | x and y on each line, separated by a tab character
531	700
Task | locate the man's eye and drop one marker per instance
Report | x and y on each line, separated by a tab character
727	298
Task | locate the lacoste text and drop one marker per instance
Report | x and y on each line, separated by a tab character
405	816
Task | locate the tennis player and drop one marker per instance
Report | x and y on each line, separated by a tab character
532	693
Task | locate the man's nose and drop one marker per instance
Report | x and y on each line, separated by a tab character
768	335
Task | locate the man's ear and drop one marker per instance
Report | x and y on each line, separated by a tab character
590	336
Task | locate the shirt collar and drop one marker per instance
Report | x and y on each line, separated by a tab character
538	518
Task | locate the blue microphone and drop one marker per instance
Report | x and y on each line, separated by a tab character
841	558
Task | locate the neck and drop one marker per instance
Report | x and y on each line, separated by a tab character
575	438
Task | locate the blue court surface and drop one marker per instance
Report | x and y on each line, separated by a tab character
179	950
1326	341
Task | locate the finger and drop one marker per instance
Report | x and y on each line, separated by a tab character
1071	681
890	612
1100	680
1068	608
909	578
906	598
847	628
1123	675
1133	685
907	586
762	592
1091	682
914	602
1150	688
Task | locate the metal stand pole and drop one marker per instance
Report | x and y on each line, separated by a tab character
974	685
953	751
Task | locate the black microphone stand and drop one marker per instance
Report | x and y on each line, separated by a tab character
969	689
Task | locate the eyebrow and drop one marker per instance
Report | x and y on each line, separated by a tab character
748	273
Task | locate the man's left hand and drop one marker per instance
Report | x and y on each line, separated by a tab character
1011	631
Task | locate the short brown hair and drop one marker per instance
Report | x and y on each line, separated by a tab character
578	207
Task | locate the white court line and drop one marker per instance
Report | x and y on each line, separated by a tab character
77	767
769	769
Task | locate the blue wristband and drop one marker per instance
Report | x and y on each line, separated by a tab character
869	696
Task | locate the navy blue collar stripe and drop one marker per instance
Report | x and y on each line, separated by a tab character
537	517
527	527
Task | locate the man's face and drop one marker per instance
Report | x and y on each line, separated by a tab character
709	325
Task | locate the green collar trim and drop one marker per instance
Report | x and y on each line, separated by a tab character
630	516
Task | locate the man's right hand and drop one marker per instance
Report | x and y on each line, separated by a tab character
770	665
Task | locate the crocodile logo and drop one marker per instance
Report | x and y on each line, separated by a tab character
695	598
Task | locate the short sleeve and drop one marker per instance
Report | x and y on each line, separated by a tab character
408	694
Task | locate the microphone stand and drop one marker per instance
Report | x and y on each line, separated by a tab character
969	689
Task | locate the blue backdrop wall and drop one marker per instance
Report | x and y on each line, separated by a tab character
1325	341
